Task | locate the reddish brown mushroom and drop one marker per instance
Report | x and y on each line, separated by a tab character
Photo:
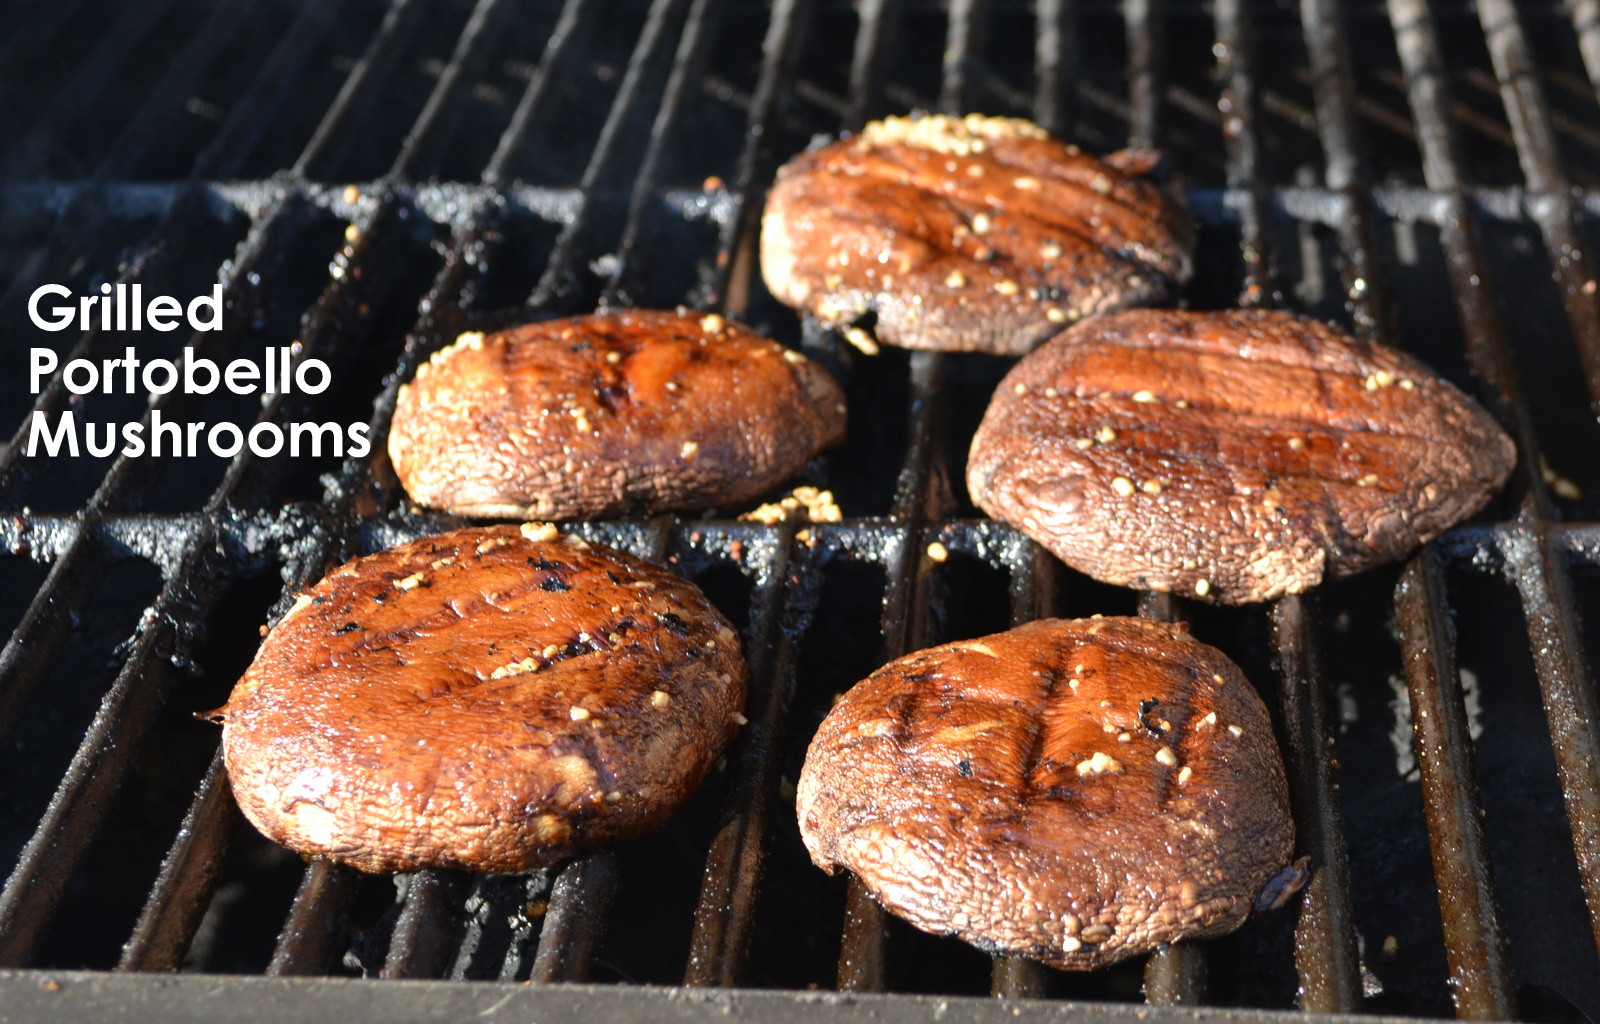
970	234
636	411
492	699
1076	791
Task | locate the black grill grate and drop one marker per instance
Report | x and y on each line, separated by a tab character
531	160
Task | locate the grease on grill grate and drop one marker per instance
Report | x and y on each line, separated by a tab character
1414	180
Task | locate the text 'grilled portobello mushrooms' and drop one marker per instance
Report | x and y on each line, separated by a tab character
492	699
609	414
980	234
1075	791
1232	456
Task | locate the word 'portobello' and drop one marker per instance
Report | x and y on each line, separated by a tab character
1232	456
609	414
492	699
1076	791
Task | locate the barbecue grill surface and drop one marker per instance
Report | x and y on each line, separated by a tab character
368	179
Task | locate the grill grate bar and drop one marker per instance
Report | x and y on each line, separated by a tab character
788	585
1473	945
1566	686
962	54
431	131
1586	23
877	39
694	48
1146	27
22	662
313	936
1529	114
1539	570
561	284
1055	66
84	91
420	946
1241	136
1325	953
578	902
71	821
566	42
1332	82
178	900
1032	591
158	113
333	135
253	112
736	250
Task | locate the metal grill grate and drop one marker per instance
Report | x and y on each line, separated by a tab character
548	156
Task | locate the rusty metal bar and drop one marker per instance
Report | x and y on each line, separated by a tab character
723	918
178	899
1146	24
688	65
1529	114
1481	979
736	248
561	284
1325	951
1055	64
313	934
1241	135
876	39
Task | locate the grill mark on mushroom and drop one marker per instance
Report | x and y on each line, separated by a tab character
1039	724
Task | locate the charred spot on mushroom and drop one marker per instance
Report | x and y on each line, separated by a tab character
1155	730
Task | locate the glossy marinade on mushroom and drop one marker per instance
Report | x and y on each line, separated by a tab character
1075	791
1232	456
492	699
970	233
610	414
